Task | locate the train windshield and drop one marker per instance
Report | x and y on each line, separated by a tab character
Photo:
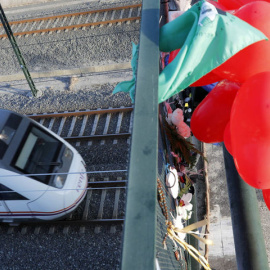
38	155
8	132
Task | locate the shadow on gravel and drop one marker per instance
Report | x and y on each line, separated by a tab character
69	82
13	90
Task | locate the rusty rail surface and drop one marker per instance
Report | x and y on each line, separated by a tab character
80	113
74	26
81	118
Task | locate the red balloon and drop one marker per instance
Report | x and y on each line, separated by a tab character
207	79
250	131
256	57
173	55
231	4
227	138
210	118
266	197
218	5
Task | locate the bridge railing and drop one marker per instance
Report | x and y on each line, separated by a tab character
140	222
140	247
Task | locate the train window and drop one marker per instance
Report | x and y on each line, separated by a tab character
14	121
7	194
3	148
38	155
8	132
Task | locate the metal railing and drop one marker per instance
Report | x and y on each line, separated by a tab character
140	223
246	221
139	240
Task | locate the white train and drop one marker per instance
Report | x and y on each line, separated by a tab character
42	177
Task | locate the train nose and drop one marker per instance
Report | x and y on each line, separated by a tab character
76	186
81	183
49	205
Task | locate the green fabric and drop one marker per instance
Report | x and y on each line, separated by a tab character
129	86
207	37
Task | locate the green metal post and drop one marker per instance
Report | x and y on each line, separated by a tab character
247	231
140	222
17	51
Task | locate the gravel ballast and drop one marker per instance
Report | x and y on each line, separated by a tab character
67	51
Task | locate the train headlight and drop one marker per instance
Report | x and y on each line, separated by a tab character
68	154
59	181
7	134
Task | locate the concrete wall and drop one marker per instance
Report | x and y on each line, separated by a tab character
16	3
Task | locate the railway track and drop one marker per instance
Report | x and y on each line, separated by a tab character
74	21
104	204
88	125
91	237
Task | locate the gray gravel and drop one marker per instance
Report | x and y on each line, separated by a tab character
56	98
68	50
61	7
59	251
72	49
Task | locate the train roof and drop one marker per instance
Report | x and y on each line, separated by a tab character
12	128
10	118
5	114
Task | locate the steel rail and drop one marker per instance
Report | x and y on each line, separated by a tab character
95	185
74	14
80	113
72	26
65	173
107	184
72	222
102	136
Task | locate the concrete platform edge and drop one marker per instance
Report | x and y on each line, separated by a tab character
67	72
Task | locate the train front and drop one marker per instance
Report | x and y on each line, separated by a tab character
67	187
46	176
